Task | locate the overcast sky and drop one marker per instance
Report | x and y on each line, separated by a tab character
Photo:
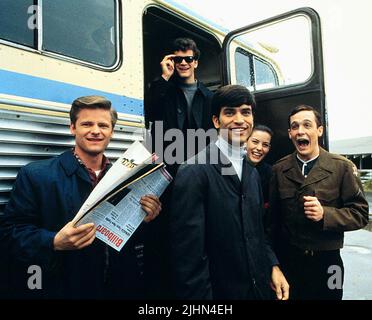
347	52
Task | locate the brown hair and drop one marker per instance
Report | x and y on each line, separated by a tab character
304	107
92	102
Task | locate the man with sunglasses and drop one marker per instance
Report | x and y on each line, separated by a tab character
176	100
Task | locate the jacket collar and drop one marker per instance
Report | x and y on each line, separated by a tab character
197	105
197	109
321	170
223	165
203	89
72	166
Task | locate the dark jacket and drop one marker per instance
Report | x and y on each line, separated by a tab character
333	181
218	243
166	102
47	194
265	171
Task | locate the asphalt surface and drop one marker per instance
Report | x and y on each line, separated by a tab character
357	257
369	199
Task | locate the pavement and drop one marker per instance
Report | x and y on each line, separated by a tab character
369	196
369	199
357	257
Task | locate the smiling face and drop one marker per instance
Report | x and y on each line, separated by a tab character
186	71
304	134
237	123
93	131
258	146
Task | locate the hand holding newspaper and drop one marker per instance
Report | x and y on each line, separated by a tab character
113	206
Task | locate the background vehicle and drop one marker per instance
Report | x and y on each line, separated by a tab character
52	52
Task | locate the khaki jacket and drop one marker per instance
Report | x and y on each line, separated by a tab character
336	185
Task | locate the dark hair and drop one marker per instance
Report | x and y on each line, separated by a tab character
304	107
92	102
261	127
232	96
184	44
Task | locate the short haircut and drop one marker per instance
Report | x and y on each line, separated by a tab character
184	44
232	96
92	102
304	107
261	127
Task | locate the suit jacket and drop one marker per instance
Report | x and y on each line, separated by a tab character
333	181
217	236
165	101
265	171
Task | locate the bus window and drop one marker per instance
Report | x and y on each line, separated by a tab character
82	29
244	70
281	53
256	76
85	30
264	73
14	27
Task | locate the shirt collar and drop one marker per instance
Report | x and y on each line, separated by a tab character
307	161
92	175
231	151
306	166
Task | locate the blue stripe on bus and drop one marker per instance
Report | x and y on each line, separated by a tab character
27	86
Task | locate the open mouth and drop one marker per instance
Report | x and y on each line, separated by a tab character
256	155
302	142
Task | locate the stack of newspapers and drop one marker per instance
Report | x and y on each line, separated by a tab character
114	204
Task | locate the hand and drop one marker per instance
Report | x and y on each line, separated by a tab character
313	209
74	238
279	284
167	66
151	205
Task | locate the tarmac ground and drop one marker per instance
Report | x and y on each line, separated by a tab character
357	257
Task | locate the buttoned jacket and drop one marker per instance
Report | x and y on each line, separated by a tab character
335	184
219	249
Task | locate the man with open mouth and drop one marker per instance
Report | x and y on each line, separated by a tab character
314	197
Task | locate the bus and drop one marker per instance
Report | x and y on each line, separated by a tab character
52	52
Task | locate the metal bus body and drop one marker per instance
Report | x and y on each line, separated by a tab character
52	52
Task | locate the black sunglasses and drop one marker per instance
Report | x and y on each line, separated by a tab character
179	59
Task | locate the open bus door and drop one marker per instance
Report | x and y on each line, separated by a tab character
280	60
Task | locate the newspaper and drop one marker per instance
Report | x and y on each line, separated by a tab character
134	159
115	208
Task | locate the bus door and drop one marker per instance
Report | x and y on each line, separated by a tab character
280	61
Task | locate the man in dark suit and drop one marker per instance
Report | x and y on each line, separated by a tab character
175	102
177	99
314	197
219	249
